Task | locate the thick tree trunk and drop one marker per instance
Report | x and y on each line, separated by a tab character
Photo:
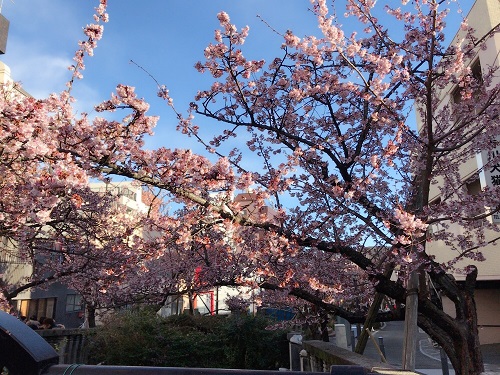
324	327
91	316
463	349
458	336
471	346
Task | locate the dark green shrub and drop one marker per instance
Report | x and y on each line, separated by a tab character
141	338
248	344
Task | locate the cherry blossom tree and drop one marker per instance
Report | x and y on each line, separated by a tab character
51	220
85	234
331	119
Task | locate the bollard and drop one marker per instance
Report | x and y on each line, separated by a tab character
341	335
444	362
353	341
303	358
381	346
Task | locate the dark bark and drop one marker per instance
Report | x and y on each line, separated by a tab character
324	328
91	316
458	336
368	324
9	295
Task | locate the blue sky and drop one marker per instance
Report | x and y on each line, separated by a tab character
165	37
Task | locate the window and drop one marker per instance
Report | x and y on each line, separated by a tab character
41	307
130	194
74	303
204	303
47	250
473	186
9	252
57	254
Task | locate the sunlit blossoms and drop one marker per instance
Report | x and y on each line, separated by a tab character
316	189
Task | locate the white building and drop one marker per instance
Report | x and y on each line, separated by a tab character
129	194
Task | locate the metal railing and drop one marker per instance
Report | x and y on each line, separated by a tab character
130	370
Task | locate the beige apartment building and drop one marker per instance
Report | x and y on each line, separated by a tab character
483	16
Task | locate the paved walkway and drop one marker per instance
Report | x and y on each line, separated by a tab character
491	357
431	366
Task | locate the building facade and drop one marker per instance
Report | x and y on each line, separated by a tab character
483	17
56	300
